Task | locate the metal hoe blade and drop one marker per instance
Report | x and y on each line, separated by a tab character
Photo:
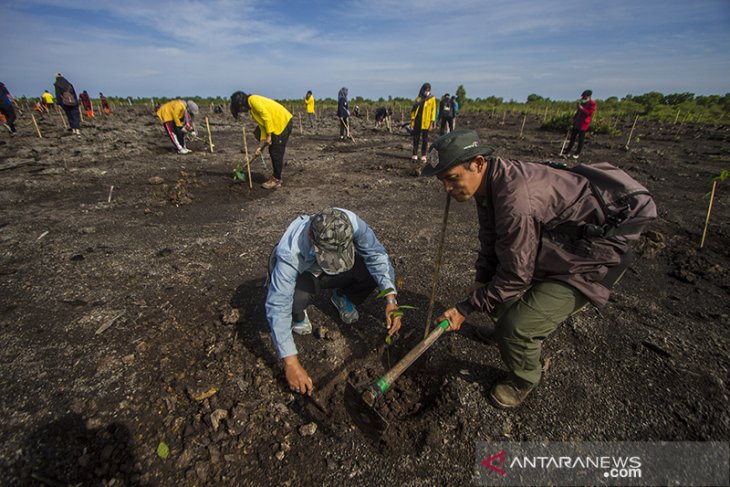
365	417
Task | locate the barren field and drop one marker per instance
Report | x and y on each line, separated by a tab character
134	316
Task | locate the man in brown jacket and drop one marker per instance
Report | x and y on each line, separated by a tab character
529	276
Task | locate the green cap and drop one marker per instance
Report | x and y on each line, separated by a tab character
452	149
333	240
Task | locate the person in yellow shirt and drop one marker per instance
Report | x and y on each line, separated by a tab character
47	100
274	126
177	122
309	101
423	115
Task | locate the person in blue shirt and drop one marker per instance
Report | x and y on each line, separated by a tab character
333	249
343	113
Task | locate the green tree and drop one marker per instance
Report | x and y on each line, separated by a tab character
678	98
534	98
461	94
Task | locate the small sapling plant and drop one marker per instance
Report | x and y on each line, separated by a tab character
395	314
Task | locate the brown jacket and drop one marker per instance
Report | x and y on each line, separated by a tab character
523	203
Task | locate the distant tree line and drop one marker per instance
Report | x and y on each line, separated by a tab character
675	107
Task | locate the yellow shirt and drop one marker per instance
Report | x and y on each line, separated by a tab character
429	113
47	97
270	115
310	104
172	111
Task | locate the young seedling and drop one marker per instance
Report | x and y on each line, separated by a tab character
717	179
395	314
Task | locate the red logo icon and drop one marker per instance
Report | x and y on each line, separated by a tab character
500	459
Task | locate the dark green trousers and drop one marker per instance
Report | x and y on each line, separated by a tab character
523	323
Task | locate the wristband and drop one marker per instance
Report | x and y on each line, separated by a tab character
391	301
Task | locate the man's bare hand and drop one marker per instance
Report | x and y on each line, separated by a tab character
393	324
297	378
455	319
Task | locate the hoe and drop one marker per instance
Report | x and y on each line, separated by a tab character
360	404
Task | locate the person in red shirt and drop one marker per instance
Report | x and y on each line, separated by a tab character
581	123
86	102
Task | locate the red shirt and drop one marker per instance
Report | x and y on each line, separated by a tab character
584	115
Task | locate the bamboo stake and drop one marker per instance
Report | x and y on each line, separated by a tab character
677	117
631	133
210	137
248	161
524	119
36	126
367	114
301	127
437	267
707	218
347	128
565	141
63	120
109	199
504	117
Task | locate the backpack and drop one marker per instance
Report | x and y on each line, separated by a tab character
627	206
68	98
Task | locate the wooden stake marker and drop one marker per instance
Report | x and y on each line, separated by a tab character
565	141
248	161
210	137
36	126
631	133
524	119
707	218
301	128
63	120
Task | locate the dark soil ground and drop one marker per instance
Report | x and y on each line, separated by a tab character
135	316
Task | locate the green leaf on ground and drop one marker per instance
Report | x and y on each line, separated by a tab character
163	451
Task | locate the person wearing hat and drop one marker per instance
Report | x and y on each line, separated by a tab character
67	99
586	107
193	111
334	249
177	118
529	278
447	112
274	126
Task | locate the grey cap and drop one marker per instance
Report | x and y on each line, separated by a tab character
332	237
192	107
452	149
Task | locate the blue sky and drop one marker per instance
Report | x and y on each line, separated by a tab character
506	48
